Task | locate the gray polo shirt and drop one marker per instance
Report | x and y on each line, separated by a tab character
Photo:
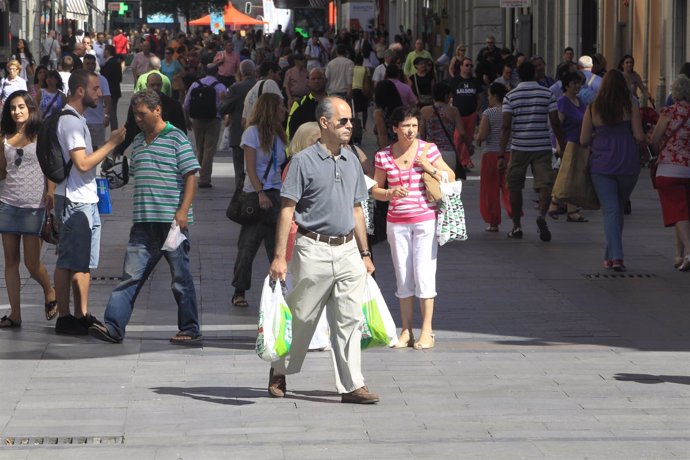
325	189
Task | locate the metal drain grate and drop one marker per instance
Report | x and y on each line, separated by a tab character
591	276
106	278
55	441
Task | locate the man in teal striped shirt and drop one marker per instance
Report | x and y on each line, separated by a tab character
164	167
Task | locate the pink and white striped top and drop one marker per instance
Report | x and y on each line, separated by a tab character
414	207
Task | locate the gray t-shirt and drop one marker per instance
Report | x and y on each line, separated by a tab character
325	189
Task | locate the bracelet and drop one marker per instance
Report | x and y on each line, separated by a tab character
387	190
365	253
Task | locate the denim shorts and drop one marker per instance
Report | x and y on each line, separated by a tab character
21	221
80	235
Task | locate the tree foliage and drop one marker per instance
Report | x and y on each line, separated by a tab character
190	9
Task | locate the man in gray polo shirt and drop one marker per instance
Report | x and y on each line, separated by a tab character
322	190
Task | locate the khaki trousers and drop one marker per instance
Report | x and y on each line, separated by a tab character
206	134
332	276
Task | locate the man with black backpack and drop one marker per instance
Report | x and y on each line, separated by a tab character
76	201
202	105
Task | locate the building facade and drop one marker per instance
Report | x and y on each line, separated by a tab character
654	32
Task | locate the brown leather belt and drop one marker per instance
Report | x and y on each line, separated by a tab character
332	240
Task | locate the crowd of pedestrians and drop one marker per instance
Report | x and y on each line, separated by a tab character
287	98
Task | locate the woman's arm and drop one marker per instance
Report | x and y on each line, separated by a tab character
659	130
587	128
250	163
483	132
636	121
378	191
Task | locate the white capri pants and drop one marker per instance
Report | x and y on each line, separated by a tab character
414	248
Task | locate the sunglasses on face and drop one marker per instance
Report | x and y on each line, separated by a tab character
344	121
20	156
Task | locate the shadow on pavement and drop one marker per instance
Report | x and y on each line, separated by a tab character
650	379
231	396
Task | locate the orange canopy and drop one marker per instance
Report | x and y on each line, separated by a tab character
231	17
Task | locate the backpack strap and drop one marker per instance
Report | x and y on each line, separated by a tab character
261	88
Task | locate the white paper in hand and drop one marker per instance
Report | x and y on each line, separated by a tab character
174	239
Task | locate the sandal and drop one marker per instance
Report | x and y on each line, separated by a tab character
579	218
186	337
8	323
426	340
491	228
238	300
554	209
51	309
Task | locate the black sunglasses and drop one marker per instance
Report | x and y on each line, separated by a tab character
344	121
20	155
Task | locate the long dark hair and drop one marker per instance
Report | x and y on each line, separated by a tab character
614	100
27	52
8	126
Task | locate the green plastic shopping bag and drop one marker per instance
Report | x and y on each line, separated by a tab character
275	323
378	327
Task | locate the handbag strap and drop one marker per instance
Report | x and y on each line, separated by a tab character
445	130
51	104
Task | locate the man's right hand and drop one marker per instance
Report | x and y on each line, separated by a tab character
117	137
278	270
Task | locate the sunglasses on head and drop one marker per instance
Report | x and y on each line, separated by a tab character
20	156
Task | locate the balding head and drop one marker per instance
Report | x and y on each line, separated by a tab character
585	62
154	82
155	63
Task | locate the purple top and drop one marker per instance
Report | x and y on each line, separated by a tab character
573	118
614	150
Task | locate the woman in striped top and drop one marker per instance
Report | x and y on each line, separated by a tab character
492	183
411	220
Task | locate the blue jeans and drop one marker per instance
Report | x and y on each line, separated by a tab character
143	253
613	192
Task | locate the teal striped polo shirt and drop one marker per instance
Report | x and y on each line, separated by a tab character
159	169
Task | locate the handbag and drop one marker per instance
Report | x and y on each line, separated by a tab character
50	233
573	183
431	184
244	206
460	173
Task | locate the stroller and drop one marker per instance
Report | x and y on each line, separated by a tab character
649	117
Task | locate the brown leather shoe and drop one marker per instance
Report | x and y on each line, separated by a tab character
360	396
276	385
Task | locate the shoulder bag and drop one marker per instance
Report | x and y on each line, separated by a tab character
244	206
460	172
431	184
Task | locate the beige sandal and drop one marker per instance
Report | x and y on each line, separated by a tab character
426	340
405	340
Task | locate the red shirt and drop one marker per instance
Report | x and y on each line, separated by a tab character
120	43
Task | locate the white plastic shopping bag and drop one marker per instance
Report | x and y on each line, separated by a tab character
275	323
450	225
174	239
378	327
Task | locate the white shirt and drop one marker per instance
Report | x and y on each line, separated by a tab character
269	86
74	134
379	73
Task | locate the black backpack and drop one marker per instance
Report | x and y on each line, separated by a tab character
48	150
202	101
